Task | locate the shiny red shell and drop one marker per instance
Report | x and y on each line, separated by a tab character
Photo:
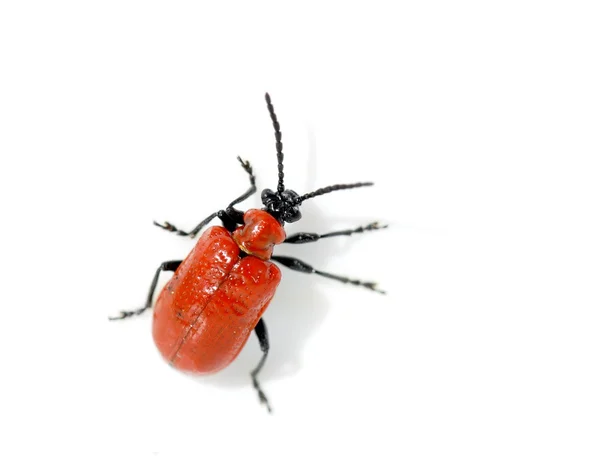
205	314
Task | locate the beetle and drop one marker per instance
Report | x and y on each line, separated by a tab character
205	314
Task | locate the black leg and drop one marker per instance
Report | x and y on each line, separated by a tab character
167	226
230	217
248	168
300	238
169	266
300	266
263	339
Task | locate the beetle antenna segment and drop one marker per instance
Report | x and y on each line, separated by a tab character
328	189
278	144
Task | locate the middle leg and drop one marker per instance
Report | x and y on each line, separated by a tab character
169	266
263	339
301	266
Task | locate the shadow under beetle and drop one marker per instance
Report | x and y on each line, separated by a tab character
206	312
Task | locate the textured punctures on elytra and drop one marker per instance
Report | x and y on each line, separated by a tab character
209	302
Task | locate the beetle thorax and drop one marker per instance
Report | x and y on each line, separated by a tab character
259	234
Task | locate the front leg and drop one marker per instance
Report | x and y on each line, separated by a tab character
167	226
230	216
301	238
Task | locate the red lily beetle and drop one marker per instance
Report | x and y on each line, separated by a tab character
207	311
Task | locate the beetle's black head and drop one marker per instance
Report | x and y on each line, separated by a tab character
284	204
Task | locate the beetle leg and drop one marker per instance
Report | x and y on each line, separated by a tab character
263	339
300	238
248	168
230	217
169	266
301	266
167	226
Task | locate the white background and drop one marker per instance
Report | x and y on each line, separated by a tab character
478	121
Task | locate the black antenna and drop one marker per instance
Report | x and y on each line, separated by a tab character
328	189
278	144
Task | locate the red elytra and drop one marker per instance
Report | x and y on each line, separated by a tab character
217	295
205	314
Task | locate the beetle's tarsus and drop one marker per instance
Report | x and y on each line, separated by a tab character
173	229
261	395
127	314
375	226
373	287
165	226
246	165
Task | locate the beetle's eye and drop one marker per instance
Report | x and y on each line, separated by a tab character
289	195
268	196
292	214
